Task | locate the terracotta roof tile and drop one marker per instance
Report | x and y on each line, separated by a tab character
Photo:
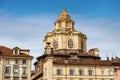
117	60
5	51
83	62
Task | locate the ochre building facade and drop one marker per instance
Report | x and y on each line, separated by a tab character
66	58
15	64
116	63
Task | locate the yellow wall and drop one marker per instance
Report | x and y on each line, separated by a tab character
76	76
47	69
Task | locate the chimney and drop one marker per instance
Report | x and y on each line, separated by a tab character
116	57
112	58
48	44
108	58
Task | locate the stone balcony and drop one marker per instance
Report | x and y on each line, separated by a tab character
7	74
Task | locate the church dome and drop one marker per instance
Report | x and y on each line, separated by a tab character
64	16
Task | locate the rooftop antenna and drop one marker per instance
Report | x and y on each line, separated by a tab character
112	54
107	56
64	8
115	54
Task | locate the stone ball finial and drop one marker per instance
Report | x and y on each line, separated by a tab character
64	10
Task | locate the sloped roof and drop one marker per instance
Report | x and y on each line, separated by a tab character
83	62
5	51
116	61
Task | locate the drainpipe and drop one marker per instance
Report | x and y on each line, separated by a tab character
95	73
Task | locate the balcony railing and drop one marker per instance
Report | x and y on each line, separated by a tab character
24	75
7	74
16	75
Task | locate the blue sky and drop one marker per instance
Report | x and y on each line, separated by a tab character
94	8
24	23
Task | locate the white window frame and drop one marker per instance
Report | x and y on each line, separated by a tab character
58	71
71	72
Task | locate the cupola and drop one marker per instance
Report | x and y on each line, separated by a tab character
64	21
64	36
64	16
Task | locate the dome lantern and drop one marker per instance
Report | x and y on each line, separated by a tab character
64	21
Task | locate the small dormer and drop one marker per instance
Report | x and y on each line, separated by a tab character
16	51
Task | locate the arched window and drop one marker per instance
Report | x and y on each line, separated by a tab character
70	43
60	24
82	45
55	44
16	51
66	24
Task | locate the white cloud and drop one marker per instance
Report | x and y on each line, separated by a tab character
101	33
29	31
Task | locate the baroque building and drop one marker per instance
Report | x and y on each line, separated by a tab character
66	58
116	64
15	64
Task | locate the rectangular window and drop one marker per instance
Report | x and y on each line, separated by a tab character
58	71
16	70
24	69
16	61
80	72
71	72
24	61
102	71
7	61
7	70
110	72
90	72
45	72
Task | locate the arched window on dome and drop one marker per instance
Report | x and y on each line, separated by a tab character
70	43
55	44
67	24
82	45
60	24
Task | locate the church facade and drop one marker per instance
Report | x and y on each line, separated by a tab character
66	58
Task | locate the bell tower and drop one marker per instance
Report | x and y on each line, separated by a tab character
64	36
